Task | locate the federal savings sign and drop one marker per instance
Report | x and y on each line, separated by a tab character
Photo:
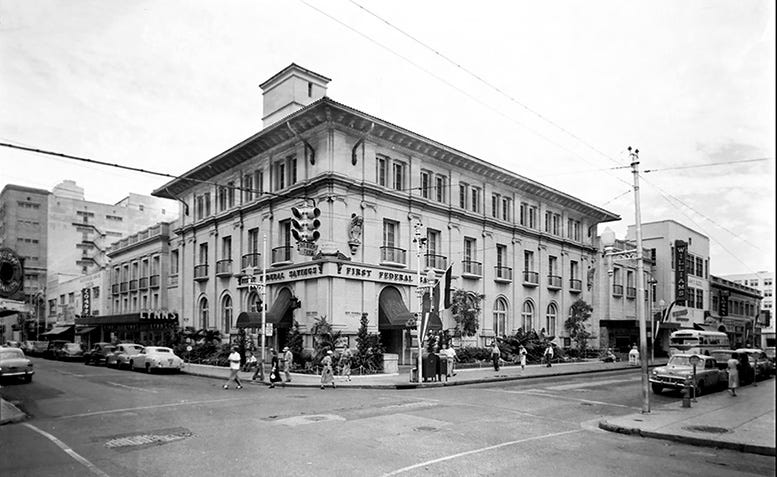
341	270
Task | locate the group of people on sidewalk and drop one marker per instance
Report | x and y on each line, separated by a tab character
252	363
496	355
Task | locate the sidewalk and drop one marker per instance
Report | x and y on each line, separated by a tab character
744	423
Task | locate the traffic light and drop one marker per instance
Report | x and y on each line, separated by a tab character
304	225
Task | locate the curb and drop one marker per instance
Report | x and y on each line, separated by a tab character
696	441
17	415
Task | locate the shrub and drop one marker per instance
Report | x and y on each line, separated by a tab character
472	354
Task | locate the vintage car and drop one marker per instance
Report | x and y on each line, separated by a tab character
680	368
53	348
122	355
764	368
156	358
13	364
99	353
746	370
70	352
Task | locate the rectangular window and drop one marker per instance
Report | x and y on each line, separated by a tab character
398	172
616	277
426	184
231	194
253	241
292	160
285	232
390	229
528	261
381	170
573	229
533	218
258	184
700	299
174	262
203	254
463	188
440	189
222	201
548	222
432	241
507	209
475	200
248	187
699	267
501	256
206	197
226	248
199	207
469	249
573	270
552	265
495	202
280	175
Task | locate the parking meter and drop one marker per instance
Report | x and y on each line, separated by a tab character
694	360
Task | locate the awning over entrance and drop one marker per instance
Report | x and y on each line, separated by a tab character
392	312
57	330
279	314
86	330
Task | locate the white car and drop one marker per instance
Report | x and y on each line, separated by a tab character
13	364
123	354
156	358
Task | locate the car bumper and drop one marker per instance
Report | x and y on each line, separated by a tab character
668	381
16	374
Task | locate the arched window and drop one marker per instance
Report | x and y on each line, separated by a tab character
550	319
500	316
226	313
204	312
527	316
254	303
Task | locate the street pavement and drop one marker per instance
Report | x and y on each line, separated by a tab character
745	422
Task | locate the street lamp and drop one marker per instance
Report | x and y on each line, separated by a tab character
262	288
420	240
608	241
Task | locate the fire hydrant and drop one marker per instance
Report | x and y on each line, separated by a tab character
687	393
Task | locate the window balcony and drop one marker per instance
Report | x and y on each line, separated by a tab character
438	262
124	287
281	255
531	279
393	256
471	268
224	268
617	290
251	260
115	289
575	285
201	272
503	274
554	282
631	292
154	280
143	283
133	285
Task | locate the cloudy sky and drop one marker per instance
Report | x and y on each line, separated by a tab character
555	91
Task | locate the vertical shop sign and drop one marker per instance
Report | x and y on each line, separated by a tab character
86	302
680	272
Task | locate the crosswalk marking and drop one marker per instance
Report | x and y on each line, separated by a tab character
588	384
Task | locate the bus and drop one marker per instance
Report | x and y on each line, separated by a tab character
697	342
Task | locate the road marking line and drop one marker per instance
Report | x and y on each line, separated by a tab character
589	384
93	468
533	392
130	387
476	451
156	406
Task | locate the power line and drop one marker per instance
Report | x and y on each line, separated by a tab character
693	166
451	85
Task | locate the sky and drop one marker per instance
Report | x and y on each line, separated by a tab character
554	91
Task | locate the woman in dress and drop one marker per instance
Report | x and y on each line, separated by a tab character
275	369
327	375
345	364
733	373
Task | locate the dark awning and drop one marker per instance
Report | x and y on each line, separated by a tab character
435	323
704	327
277	315
57	330
392	312
86	330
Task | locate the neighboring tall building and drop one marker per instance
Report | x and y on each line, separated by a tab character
764	282
525	247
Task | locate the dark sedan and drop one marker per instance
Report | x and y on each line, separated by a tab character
99	353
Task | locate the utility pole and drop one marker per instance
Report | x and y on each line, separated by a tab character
420	241
640	284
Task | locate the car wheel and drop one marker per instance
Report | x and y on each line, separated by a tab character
28	379
657	388
700	388
148	368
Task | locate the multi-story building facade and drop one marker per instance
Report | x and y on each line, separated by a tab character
764	282
141	290
525	247
71	299
735	310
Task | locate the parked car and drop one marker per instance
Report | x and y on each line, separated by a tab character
53	348
71	352
156	358
34	348
14	364
99	353
679	368
12	344
122	355
764	368
746	371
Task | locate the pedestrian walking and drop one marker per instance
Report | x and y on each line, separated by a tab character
327	375
733	373
496	355
450	357
634	356
345	364
250	361
275	369
234	368
288	360
548	355
522	355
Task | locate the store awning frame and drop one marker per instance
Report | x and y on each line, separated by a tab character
392	312
58	330
275	315
86	330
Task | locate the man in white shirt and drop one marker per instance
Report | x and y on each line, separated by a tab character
548	355
234	368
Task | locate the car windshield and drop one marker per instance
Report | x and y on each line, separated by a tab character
109	348
160	350
11	353
72	346
677	360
